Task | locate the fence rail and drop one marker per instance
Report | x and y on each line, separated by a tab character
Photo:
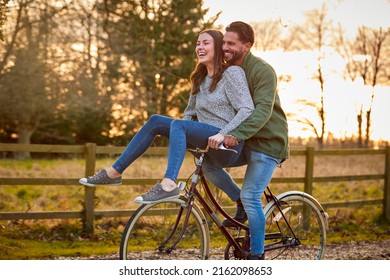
91	150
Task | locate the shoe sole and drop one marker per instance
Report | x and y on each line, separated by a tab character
94	185
155	201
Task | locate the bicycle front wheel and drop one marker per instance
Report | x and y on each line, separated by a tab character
296	229
153	228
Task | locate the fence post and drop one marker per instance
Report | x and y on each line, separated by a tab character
89	192
386	197
309	170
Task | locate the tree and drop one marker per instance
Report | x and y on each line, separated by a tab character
367	57
268	35
90	100
152	44
72	103
315	35
370	43
91	70
25	98
3	16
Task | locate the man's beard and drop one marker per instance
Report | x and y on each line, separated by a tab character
234	57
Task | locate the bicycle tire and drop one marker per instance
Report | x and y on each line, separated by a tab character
149	226
306	218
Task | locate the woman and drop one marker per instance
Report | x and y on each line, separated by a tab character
219	101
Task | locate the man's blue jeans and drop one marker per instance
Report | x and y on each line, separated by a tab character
257	177
182	134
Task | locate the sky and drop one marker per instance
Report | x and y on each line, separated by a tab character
351	13
341	108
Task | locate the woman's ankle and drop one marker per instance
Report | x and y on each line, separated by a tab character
112	173
168	184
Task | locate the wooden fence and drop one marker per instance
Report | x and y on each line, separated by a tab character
91	150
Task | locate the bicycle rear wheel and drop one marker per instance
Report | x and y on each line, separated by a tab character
301	235
150	226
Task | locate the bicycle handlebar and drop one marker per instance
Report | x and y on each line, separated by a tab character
202	151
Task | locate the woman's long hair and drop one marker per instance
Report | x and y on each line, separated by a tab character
200	72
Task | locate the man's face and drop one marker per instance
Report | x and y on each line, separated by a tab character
233	48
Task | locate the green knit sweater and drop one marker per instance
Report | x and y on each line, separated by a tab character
266	129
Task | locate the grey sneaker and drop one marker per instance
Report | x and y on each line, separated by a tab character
157	194
100	178
255	257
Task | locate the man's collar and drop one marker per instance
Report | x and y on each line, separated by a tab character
247	57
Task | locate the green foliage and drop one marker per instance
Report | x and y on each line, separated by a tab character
94	74
154	45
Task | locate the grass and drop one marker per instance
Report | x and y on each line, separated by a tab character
33	242
51	239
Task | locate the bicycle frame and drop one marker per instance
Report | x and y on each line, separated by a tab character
192	194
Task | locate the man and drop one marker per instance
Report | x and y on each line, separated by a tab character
265	133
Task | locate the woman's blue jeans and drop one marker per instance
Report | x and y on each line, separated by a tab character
182	134
257	177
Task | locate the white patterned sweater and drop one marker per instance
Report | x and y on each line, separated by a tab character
227	106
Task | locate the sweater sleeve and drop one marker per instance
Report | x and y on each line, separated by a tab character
190	111
238	94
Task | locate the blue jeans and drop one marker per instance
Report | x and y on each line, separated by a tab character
257	177
182	134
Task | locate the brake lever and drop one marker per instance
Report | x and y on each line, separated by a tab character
222	147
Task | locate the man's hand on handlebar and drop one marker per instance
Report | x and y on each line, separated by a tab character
230	141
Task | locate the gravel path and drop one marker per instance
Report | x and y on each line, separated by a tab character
364	250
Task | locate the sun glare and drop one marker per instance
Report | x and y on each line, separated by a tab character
343	98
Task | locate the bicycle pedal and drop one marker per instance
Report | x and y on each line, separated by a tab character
181	185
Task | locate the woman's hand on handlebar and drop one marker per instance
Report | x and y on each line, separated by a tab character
216	140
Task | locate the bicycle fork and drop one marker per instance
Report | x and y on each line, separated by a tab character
240	252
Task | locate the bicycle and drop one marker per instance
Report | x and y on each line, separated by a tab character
296	225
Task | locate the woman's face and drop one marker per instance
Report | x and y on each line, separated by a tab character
205	49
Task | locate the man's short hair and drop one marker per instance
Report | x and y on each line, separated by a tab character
245	31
